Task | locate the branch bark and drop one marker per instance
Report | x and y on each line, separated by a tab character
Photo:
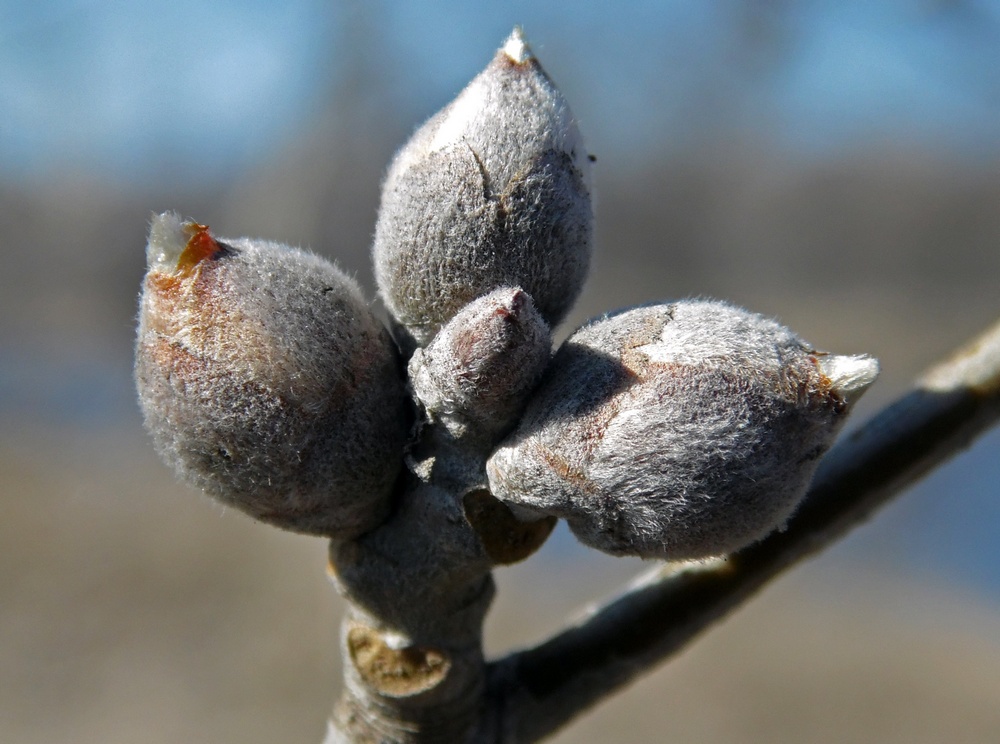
534	692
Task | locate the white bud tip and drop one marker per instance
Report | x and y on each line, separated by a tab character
517	48
850	376
167	240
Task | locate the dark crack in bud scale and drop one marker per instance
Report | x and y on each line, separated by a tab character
265	380
493	191
677	431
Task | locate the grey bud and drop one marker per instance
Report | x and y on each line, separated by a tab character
265	379
677	431
492	191
477	373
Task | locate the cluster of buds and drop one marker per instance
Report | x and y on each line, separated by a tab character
674	431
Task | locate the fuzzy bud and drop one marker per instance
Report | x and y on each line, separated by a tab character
477	373
265	380
677	431
493	191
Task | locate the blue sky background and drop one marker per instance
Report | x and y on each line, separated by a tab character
123	88
166	93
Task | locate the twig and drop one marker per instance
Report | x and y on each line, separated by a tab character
536	691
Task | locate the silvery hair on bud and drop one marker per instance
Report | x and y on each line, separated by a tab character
677	431
492	191
477	373
265	380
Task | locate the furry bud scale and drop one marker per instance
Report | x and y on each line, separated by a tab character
265	380
492	191
676	431
477	373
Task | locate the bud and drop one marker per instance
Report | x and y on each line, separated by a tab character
265	380
493	191
477	373
677	431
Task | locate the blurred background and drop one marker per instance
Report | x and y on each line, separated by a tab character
836	165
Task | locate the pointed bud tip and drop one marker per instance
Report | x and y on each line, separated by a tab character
518	300
177	244
512	301
516	48
167	241
850	376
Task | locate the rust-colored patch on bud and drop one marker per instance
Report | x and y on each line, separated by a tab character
564	470
196	310
515	307
820	390
167	285
200	246
162	300
504	61
468	348
393	672
176	360
505	538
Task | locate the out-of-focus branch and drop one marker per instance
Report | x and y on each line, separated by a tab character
537	691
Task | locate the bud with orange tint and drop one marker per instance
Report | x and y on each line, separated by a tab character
265	380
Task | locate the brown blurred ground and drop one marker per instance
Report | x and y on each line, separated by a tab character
134	610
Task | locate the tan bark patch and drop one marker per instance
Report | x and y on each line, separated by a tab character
393	672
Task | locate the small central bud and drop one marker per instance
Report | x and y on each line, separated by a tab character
477	373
